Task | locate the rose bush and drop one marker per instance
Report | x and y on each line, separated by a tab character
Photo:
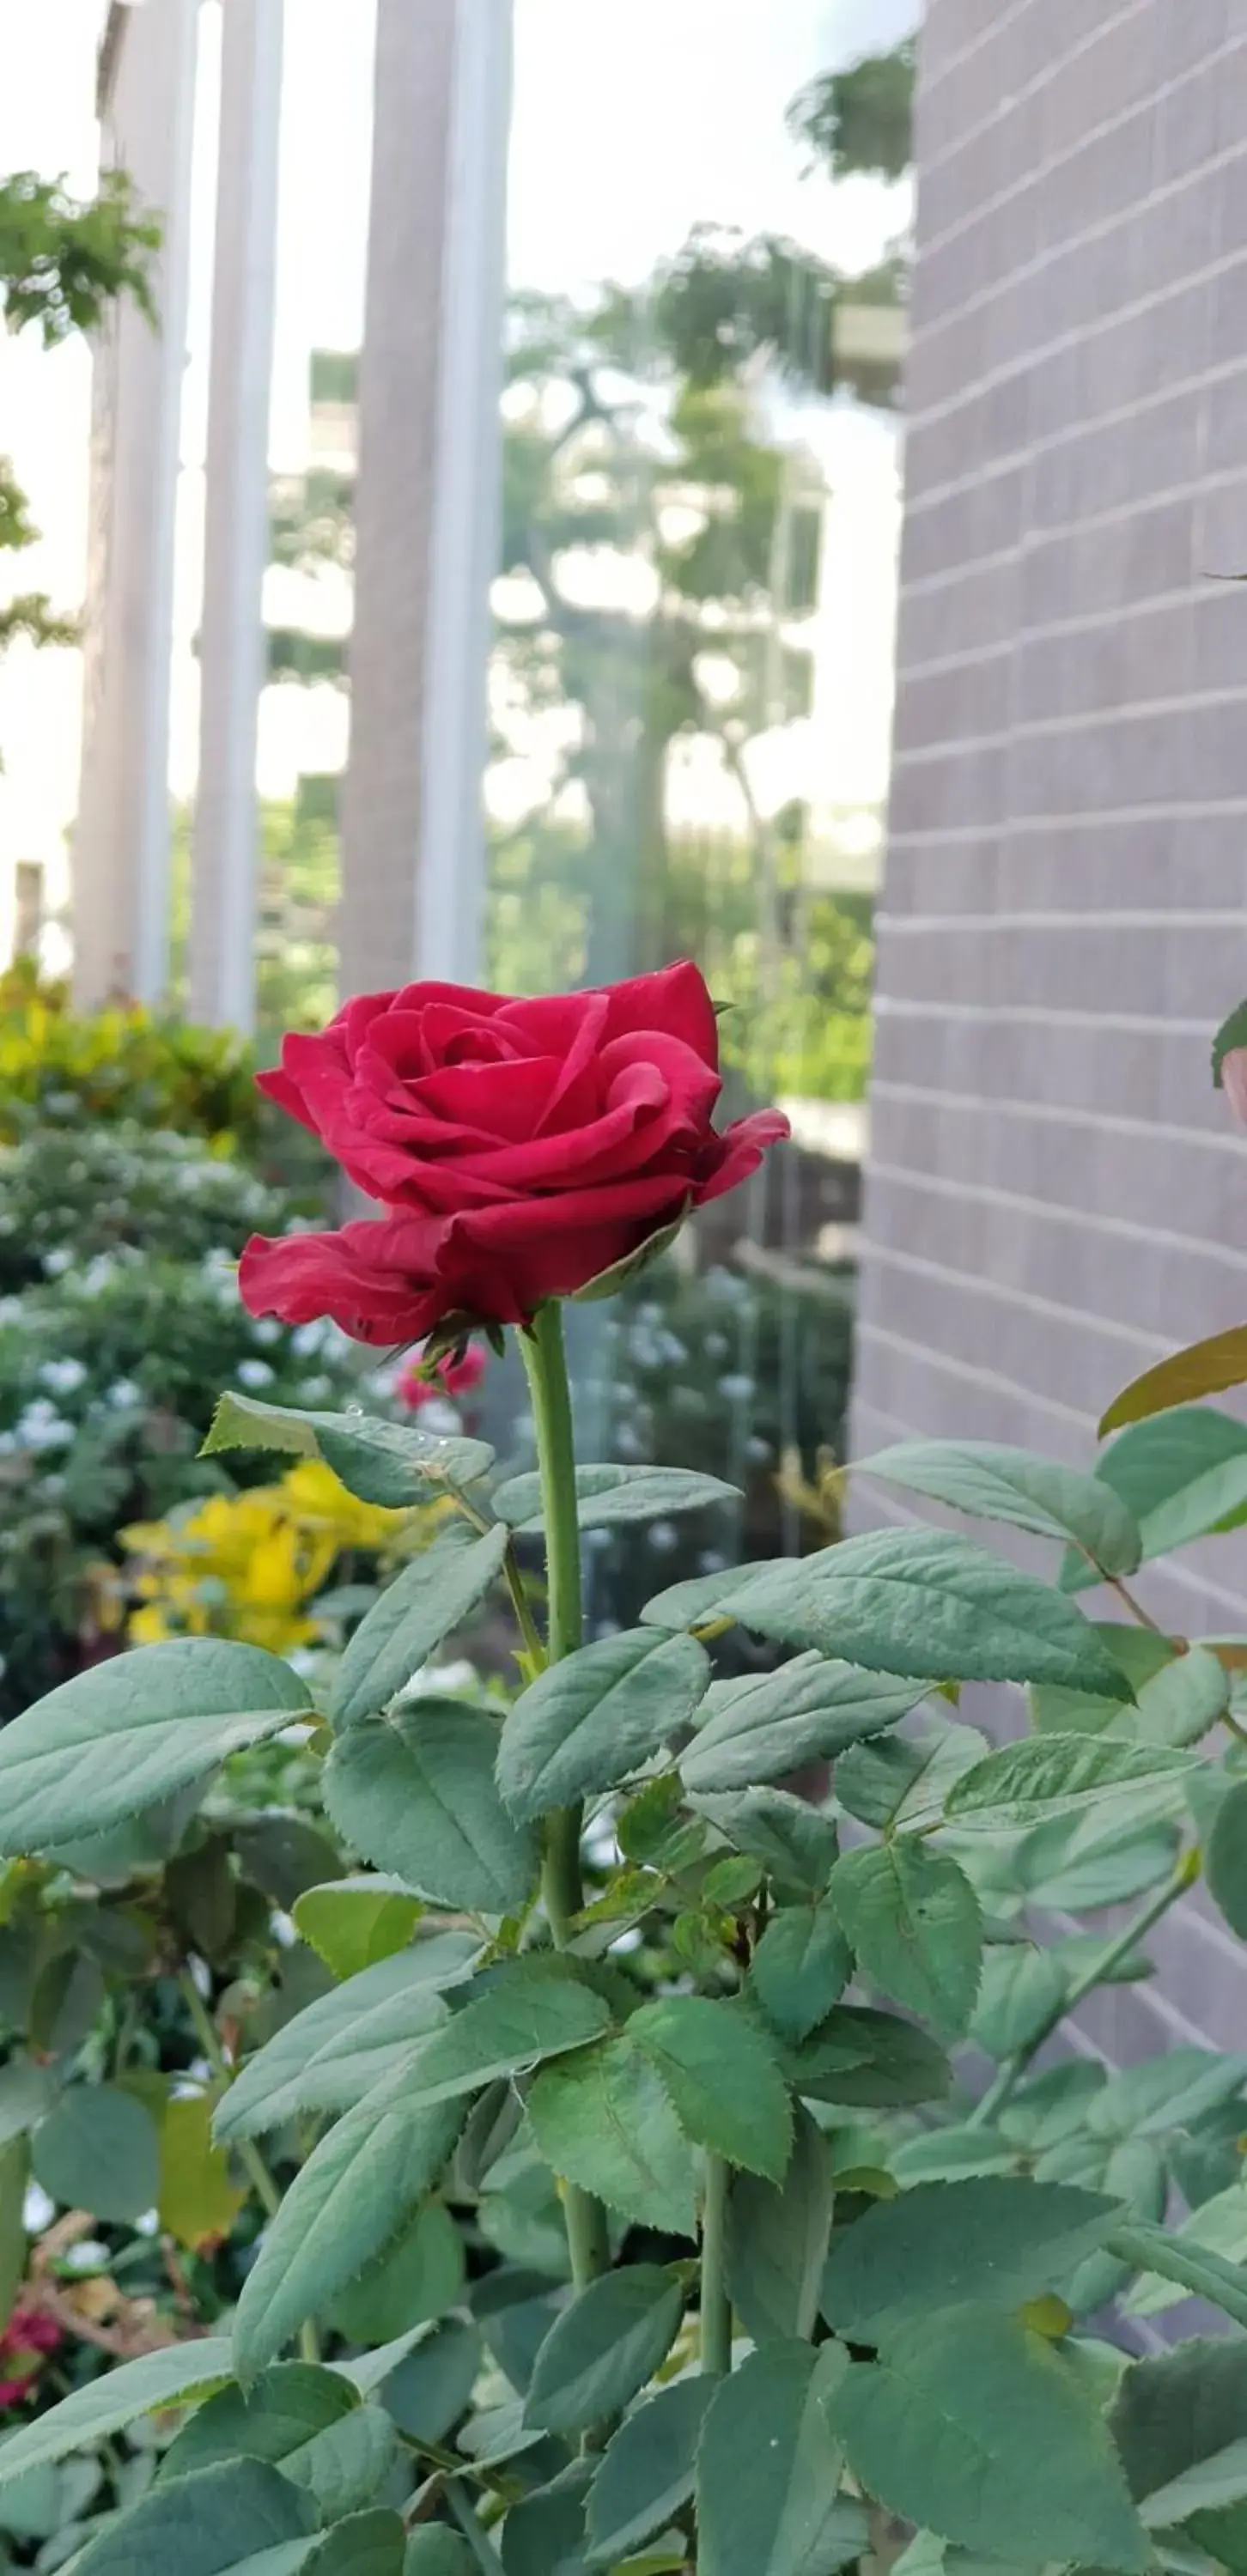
520	1148
636	2197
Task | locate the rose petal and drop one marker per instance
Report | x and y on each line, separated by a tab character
740	1150
676	1000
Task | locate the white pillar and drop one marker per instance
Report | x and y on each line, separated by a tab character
121	840
450	864
225	854
427	500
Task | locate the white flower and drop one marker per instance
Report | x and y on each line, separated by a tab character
254	1373
122	1394
57	1263
663	1536
267	1331
62	1377
736	1389
309	1340
42	1427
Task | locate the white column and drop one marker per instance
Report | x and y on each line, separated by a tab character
225	853
121	840
427	500
467	500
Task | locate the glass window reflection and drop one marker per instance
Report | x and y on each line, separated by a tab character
691	681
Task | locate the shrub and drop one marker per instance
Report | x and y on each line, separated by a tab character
591	2105
85	1192
61	1068
103	1374
621	2025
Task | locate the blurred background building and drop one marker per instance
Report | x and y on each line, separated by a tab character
1056	1195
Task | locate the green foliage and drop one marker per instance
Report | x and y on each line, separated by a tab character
861	119
412	1616
296	965
105	1372
391	1464
343	2042
64	1069
924	1603
584	1724
912	1920
767	2468
602	2350
648	2472
63	261
123	1738
99	1191
417	1795
992	1483
959	2425
357	2189
609	1496
777	2241
632	423
559	2110
604	2120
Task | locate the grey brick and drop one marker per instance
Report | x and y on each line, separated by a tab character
1057	1196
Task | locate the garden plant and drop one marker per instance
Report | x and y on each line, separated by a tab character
678	2166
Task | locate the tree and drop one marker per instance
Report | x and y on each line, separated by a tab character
636	426
862	119
661	540
63	262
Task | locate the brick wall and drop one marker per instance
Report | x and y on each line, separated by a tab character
1055	1196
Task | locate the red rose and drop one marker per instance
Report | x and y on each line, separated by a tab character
519	1147
25	2344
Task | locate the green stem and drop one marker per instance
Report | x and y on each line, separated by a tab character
465	2515
716	2307
247	2152
546	1365
545	1360
525	1621
1137	1612
1010	2074
562	1887
512	1577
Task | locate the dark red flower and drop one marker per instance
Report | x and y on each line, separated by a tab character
25	2344
520	1148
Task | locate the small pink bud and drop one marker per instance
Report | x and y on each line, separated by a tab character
1234	1081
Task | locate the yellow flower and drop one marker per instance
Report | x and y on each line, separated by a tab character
251	1565
315	1496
